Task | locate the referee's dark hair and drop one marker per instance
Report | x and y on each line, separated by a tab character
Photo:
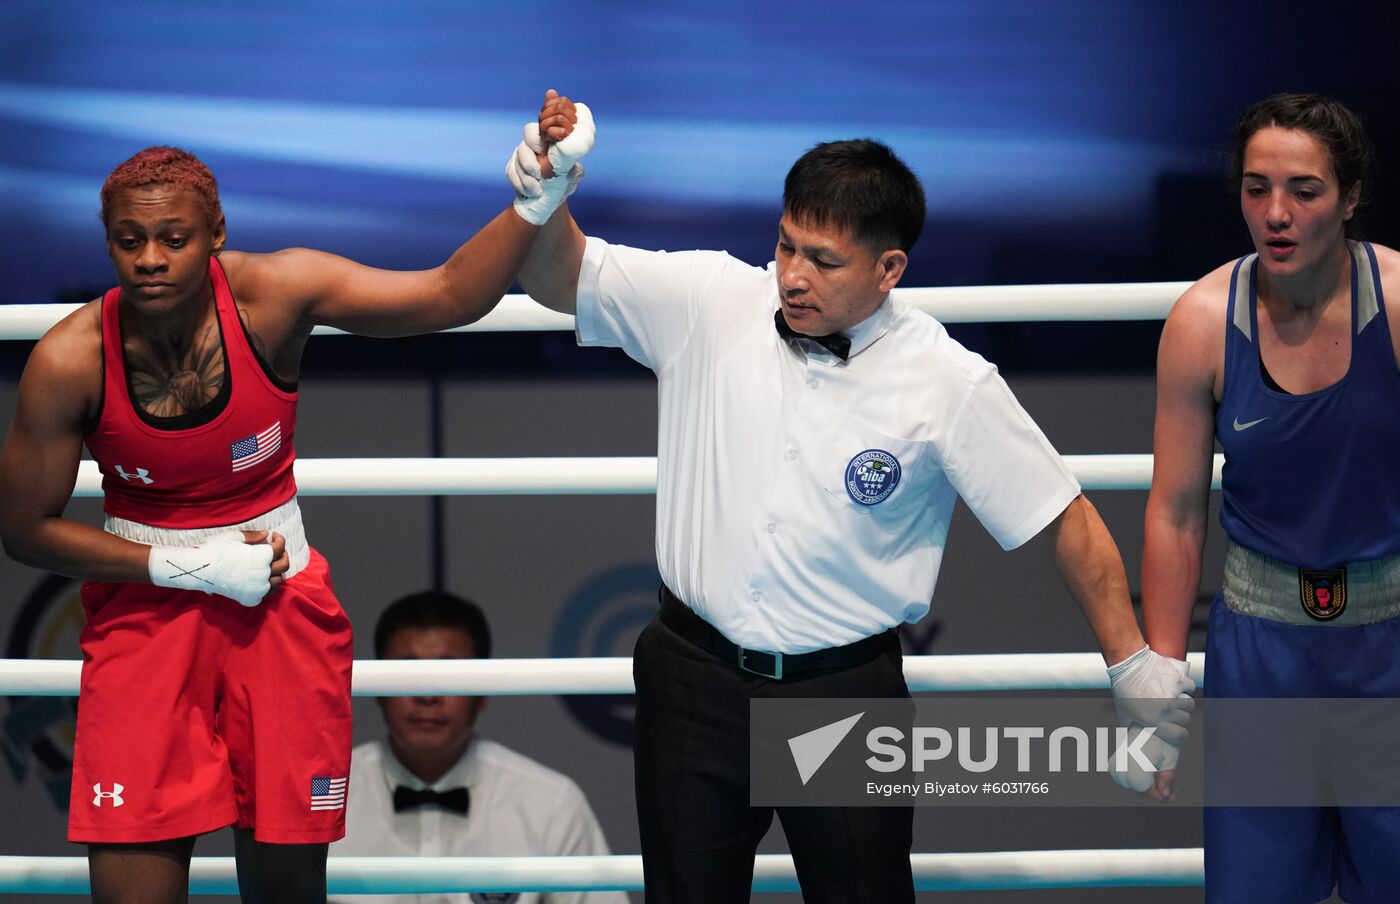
433	609
860	187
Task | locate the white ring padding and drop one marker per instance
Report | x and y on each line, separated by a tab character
950	304
613	675
772	872
571	476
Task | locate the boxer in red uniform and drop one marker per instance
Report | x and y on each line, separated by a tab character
216	676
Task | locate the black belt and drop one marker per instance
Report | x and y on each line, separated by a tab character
680	618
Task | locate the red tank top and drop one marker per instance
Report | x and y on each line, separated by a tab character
230	469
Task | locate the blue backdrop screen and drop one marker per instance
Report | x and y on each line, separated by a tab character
1066	141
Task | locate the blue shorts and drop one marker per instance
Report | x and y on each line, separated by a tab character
1299	854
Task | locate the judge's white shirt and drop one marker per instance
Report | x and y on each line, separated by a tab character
518	808
802	501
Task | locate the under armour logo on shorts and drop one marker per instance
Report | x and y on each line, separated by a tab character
115	795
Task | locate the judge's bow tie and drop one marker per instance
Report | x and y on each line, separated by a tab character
455	799
835	343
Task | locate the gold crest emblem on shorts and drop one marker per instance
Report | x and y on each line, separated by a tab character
1323	593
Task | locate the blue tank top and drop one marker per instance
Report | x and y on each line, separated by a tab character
1312	479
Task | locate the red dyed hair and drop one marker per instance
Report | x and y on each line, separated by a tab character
165	166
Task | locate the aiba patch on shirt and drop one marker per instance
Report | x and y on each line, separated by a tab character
872	476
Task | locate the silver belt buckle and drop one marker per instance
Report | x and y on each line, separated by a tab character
776	672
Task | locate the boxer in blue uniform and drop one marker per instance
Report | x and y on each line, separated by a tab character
1289	358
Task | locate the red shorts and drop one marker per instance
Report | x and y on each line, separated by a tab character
196	713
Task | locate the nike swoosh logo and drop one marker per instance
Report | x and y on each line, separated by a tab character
1247	425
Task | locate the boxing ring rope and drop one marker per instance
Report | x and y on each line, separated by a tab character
537	476
950	304
569	476
941	673
772	872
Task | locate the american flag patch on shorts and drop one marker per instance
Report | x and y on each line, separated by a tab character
327	793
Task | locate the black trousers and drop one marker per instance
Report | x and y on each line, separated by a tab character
699	833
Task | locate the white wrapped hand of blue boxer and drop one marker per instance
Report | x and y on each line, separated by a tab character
1161	755
536	198
1151	691
222	564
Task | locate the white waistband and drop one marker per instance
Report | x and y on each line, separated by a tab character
285	520
1258	585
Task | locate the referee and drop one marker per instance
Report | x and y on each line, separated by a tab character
814	435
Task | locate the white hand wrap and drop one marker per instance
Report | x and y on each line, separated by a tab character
1151	691
536	198
223	564
1133	776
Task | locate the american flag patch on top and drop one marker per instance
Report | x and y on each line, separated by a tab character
327	793
250	450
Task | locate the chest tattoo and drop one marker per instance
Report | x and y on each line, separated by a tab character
171	381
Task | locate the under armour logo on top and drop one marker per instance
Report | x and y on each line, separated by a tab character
115	795
139	475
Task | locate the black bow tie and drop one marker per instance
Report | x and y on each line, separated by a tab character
835	343
455	799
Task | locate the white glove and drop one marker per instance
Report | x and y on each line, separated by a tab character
536	198
1151	691
223	564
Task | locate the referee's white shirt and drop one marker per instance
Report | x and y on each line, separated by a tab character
518	808
758	527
